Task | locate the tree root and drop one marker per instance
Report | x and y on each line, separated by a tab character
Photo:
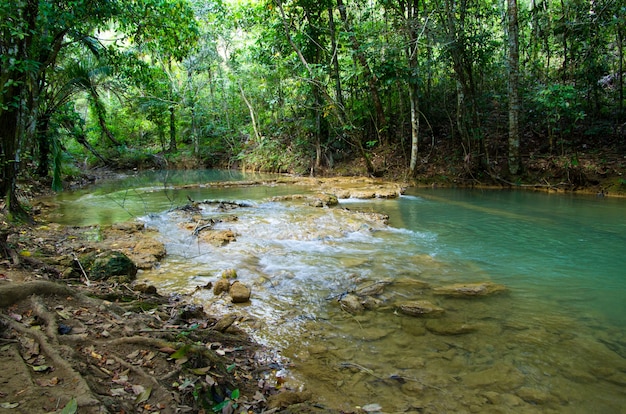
82	392
16	292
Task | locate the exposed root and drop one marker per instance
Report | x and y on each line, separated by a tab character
82	392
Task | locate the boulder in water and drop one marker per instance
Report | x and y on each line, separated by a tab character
420	308
466	290
239	293
351	303
222	285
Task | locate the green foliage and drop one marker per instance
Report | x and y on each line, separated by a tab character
561	108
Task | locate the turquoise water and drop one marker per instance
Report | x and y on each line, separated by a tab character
554	342
570	249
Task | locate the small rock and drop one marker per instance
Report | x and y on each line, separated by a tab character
239	293
222	285
145	288
286	398
420	308
229	274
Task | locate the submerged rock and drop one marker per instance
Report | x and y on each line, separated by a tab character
447	327
469	289
420	308
351	303
239	293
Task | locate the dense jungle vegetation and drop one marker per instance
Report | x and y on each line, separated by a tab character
476	89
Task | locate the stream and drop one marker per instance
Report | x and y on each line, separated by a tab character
555	341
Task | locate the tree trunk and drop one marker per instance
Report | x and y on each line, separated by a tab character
514	101
43	143
257	134
172	147
336	74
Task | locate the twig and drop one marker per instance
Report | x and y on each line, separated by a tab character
87	281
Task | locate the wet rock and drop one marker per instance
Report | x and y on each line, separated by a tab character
535	396
225	322
190	312
145	288
110	265
222	285
147	252
218	237
502	400
128	226
469	289
229	274
371	289
239	293
501	375
447	327
287	398
420	308
351	303
324	200
371	303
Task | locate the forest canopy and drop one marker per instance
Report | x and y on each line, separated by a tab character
300	86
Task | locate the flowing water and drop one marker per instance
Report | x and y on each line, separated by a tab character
555	341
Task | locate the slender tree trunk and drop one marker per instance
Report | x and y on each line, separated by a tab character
514	101
620	74
9	154
172	147
335	51
257	134
43	143
372	79
412	52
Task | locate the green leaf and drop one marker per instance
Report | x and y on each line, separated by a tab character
235	394
230	368
219	406
9	405
71	407
144	395
182	351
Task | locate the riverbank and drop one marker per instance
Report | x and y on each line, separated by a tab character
127	349
116	345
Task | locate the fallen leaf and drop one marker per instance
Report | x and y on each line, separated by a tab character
40	368
133	355
118	392
48	382
63	314
138	389
201	371
71	407
9	405
143	396
167	350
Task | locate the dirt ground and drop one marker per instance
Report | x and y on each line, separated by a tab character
70	345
